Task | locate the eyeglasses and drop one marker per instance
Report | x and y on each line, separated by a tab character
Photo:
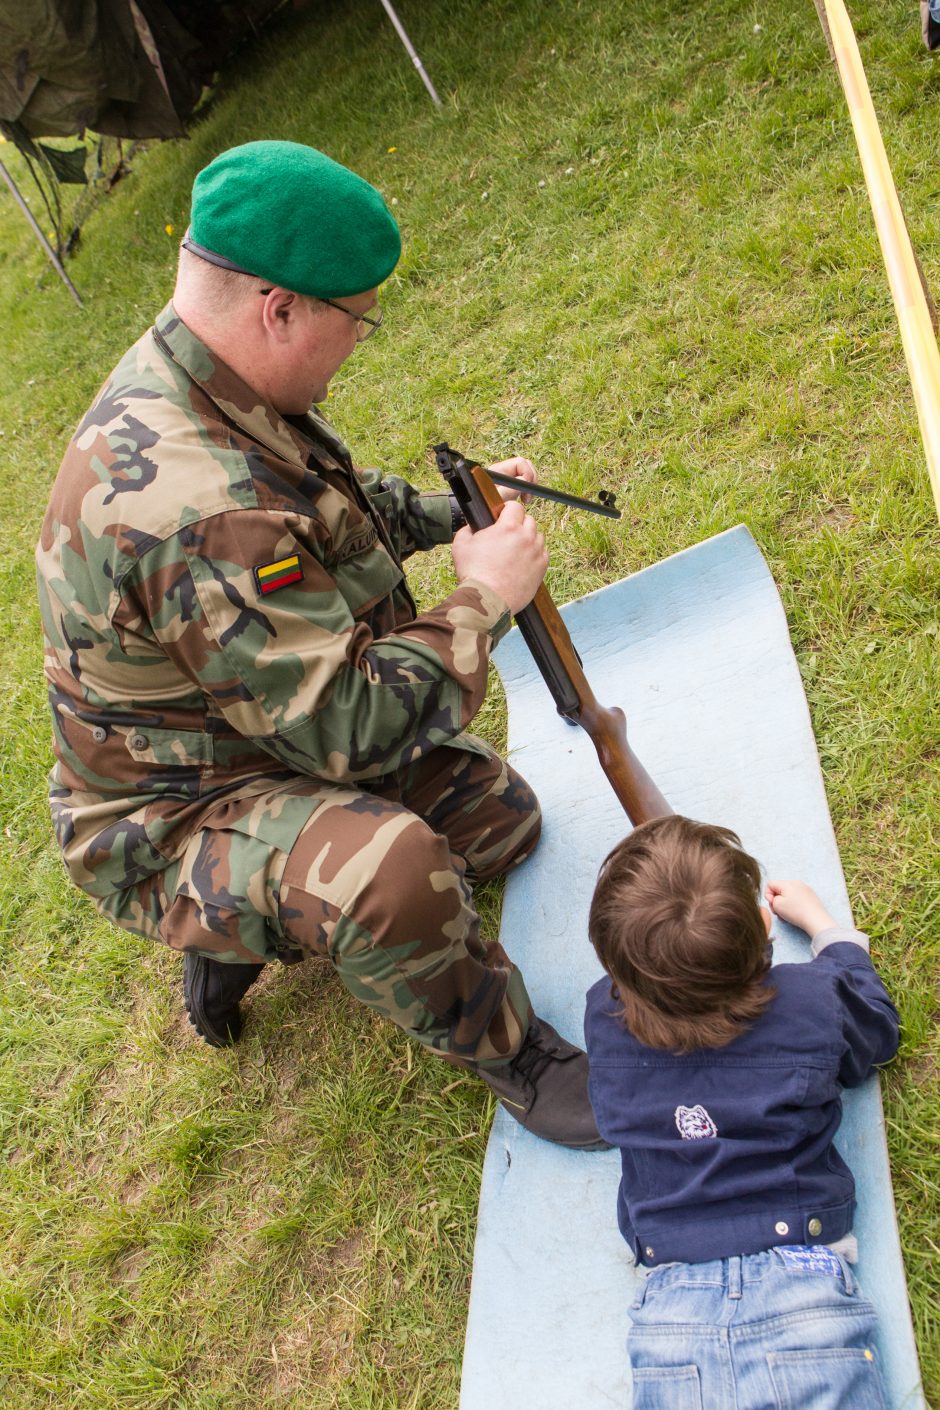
365	326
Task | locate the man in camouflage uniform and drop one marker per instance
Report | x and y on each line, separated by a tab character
259	740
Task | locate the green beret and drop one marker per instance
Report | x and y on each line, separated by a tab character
293	216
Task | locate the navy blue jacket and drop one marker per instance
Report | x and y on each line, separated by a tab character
730	1150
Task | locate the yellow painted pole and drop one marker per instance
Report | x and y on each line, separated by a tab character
910	303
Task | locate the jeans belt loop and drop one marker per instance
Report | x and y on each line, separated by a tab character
734	1276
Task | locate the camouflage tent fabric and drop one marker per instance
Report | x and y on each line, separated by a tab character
124	68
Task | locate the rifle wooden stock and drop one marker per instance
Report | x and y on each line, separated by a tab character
638	794
553	651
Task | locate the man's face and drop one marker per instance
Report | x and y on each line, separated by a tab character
321	339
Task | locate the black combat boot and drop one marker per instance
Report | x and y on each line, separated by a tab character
545	1088
212	991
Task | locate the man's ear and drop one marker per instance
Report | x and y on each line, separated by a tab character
278	312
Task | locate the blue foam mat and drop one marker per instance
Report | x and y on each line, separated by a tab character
696	651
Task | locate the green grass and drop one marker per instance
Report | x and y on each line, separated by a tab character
638	249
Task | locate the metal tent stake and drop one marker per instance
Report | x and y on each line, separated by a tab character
54	258
387	6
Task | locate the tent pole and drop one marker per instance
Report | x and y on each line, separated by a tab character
387	6
54	258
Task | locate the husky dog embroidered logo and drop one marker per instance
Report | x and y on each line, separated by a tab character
694	1123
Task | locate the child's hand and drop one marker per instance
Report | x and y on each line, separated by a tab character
798	904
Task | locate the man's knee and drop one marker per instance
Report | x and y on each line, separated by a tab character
509	824
525	839
402	888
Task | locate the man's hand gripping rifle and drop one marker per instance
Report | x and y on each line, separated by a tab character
547	638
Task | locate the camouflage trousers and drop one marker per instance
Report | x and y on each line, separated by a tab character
376	878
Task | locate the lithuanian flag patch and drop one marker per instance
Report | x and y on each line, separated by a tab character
271	576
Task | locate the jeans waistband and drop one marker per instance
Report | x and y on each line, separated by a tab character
733	1273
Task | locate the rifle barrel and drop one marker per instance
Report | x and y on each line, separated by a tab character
605	507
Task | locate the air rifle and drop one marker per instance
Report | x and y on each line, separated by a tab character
546	636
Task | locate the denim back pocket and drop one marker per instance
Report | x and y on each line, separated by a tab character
667	1388
826	1379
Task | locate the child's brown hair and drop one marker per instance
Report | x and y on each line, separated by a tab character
676	923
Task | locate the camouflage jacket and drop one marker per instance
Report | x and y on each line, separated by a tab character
224	604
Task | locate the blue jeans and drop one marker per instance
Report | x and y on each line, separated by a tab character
784	1330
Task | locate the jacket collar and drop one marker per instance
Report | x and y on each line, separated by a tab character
246	408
